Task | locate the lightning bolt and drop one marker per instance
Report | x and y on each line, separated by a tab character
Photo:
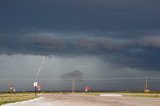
41	66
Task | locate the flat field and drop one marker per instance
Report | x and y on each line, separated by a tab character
92	99
11	98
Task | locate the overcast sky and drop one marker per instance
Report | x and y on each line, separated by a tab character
79	38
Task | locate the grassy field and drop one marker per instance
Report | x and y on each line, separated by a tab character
11	98
153	95
131	94
16	97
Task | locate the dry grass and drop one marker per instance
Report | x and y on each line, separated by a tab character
153	95
11	98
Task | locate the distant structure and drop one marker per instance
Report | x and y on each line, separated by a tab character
87	88
11	88
146	90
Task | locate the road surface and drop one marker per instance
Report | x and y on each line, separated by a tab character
88	100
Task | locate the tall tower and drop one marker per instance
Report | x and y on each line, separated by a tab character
73	85
146	85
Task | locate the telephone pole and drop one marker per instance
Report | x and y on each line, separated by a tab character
146	85
74	85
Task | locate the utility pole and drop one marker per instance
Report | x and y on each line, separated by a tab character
35	90
146	85
74	85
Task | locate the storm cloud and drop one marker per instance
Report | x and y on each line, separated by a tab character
20	16
142	52
77	74
111	37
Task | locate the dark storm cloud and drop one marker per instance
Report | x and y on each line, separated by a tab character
142	52
74	74
79	15
124	32
49	44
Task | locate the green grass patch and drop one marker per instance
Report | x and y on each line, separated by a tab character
17	97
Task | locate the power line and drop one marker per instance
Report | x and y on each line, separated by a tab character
89	79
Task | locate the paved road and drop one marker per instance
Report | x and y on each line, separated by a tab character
88	100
